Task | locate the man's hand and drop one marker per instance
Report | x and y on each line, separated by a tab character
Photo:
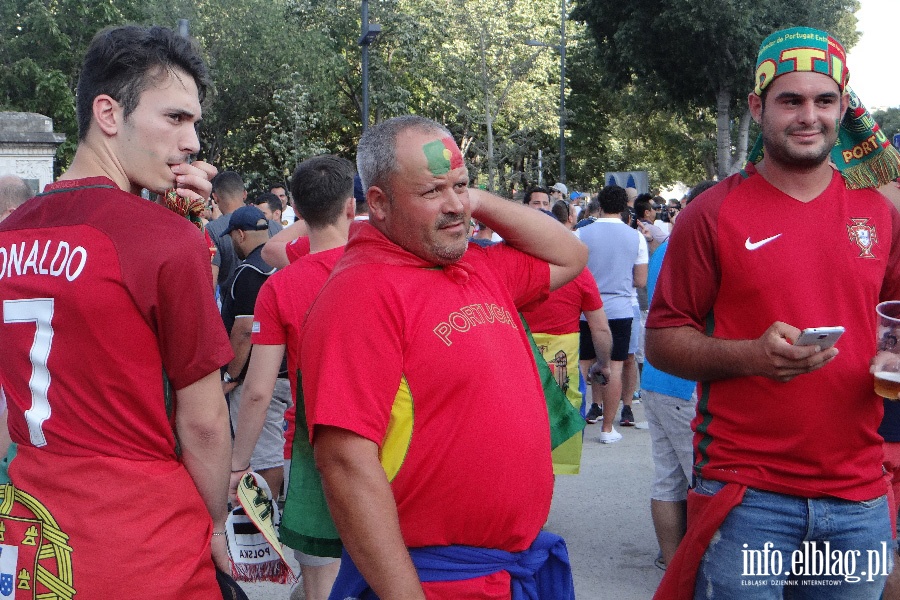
648	235
599	373
193	180
885	361
233	485
783	361
220	552
474	196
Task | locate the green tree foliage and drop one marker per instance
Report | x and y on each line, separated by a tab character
287	83
889	120
702	52
259	104
626	129
499	93
41	46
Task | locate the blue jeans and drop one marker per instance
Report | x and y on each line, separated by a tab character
778	546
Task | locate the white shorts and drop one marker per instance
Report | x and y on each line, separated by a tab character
672	443
269	450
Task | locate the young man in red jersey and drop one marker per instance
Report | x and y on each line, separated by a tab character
322	188
787	456
103	316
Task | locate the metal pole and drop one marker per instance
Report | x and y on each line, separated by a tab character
540	168
562	92
365	67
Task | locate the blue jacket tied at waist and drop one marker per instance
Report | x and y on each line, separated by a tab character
542	572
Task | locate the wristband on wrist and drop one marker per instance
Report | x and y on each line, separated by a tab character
247	468
218	533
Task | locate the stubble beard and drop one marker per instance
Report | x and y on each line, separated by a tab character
778	148
809	159
452	252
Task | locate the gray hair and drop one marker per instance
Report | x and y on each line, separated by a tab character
13	192
376	156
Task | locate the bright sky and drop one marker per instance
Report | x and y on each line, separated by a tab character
873	61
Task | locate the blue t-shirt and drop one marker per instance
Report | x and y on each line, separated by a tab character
652	379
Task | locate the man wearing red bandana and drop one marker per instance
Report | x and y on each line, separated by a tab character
433	442
789	499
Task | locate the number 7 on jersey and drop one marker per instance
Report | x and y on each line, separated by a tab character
40	312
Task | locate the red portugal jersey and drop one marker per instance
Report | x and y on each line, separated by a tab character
559	314
442	379
745	255
281	309
297	248
103	293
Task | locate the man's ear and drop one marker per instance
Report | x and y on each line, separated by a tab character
756	106
845	104
108	114
350	208
378	202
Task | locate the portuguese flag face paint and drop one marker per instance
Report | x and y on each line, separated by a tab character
443	156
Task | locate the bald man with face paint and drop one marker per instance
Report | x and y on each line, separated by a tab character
433	442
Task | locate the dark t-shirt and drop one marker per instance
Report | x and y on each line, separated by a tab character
890	424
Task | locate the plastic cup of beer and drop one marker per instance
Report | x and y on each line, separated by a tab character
886	364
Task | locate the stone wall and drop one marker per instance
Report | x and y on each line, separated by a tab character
27	147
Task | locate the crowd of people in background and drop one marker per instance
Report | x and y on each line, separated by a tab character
382	343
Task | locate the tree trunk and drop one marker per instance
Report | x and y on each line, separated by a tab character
709	165
488	112
723	133
742	142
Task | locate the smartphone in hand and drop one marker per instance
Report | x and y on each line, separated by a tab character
823	337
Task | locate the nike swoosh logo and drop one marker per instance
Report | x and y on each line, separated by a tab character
754	245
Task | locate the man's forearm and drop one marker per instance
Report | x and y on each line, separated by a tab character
533	233
601	335
255	399
202	426
363	508
639	275
240	345
274	252
690	354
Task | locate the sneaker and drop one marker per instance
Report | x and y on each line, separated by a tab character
610	437
627	418
594	413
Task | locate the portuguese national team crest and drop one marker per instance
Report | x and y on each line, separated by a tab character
35	557
863	236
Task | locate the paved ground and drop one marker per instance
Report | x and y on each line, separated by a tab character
604	515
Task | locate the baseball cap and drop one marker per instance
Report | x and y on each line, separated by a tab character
359	194
247	218
561	188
